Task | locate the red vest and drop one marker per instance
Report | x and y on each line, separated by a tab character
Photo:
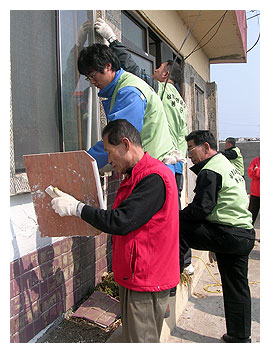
147	259
254	174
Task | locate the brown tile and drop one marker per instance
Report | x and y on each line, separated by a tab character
99	308
71	172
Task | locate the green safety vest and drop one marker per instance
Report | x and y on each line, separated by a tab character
232	203
155	134
176	112
238	161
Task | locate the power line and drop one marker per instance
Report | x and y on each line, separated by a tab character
195	48
254	44
258	14
186	37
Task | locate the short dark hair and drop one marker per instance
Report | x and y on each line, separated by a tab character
231	140
201	136
175	74
120	128
95	57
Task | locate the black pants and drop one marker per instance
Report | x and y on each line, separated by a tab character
232	258
254	207
180	182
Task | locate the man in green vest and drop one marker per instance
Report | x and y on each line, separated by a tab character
127	97
218	220
234	155
165	82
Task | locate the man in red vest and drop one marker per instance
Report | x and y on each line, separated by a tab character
145	224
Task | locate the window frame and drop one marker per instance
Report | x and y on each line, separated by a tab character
199	108
134	16
133	48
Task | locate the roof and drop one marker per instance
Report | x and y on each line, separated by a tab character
226	44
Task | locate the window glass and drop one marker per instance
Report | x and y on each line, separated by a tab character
200	118
34	83
143	63
74	88
133	32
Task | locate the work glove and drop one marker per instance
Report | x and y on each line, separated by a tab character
82	34
106	169
212	257
174	157
64	204
104	30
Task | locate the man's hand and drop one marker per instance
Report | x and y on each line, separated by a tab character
104	29
212	257
64	204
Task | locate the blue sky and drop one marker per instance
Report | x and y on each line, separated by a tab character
239	89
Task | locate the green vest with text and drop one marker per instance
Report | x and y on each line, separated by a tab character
238	161
232	202
176	112
155	134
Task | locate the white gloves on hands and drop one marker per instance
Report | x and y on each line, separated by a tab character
83	31
174	157
64	204
104	29
212	256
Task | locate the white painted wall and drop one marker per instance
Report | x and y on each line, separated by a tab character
24	232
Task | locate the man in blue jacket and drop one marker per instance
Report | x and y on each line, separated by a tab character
127	97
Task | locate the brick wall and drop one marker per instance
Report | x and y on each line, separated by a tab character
47	282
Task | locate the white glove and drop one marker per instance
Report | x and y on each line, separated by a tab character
82	34
106	169
64	204
212	256
174	157
104	29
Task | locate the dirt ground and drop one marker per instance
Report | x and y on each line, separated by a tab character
70	329
76	330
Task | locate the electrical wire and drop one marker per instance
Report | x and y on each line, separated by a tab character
254	43
219	284
258	14
186	37
195	48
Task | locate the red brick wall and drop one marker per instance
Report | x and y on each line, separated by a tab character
49	281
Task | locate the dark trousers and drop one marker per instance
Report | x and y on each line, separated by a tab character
254	207
232	258
180	182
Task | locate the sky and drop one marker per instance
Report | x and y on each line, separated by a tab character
239	89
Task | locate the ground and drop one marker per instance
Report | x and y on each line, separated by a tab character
76	330
70	329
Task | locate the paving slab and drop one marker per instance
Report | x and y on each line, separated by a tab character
100	309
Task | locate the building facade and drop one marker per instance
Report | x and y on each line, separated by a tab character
53	109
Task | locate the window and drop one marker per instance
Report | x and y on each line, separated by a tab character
34	83
53	108
199	108
133	32
147	48
76	93
135	38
